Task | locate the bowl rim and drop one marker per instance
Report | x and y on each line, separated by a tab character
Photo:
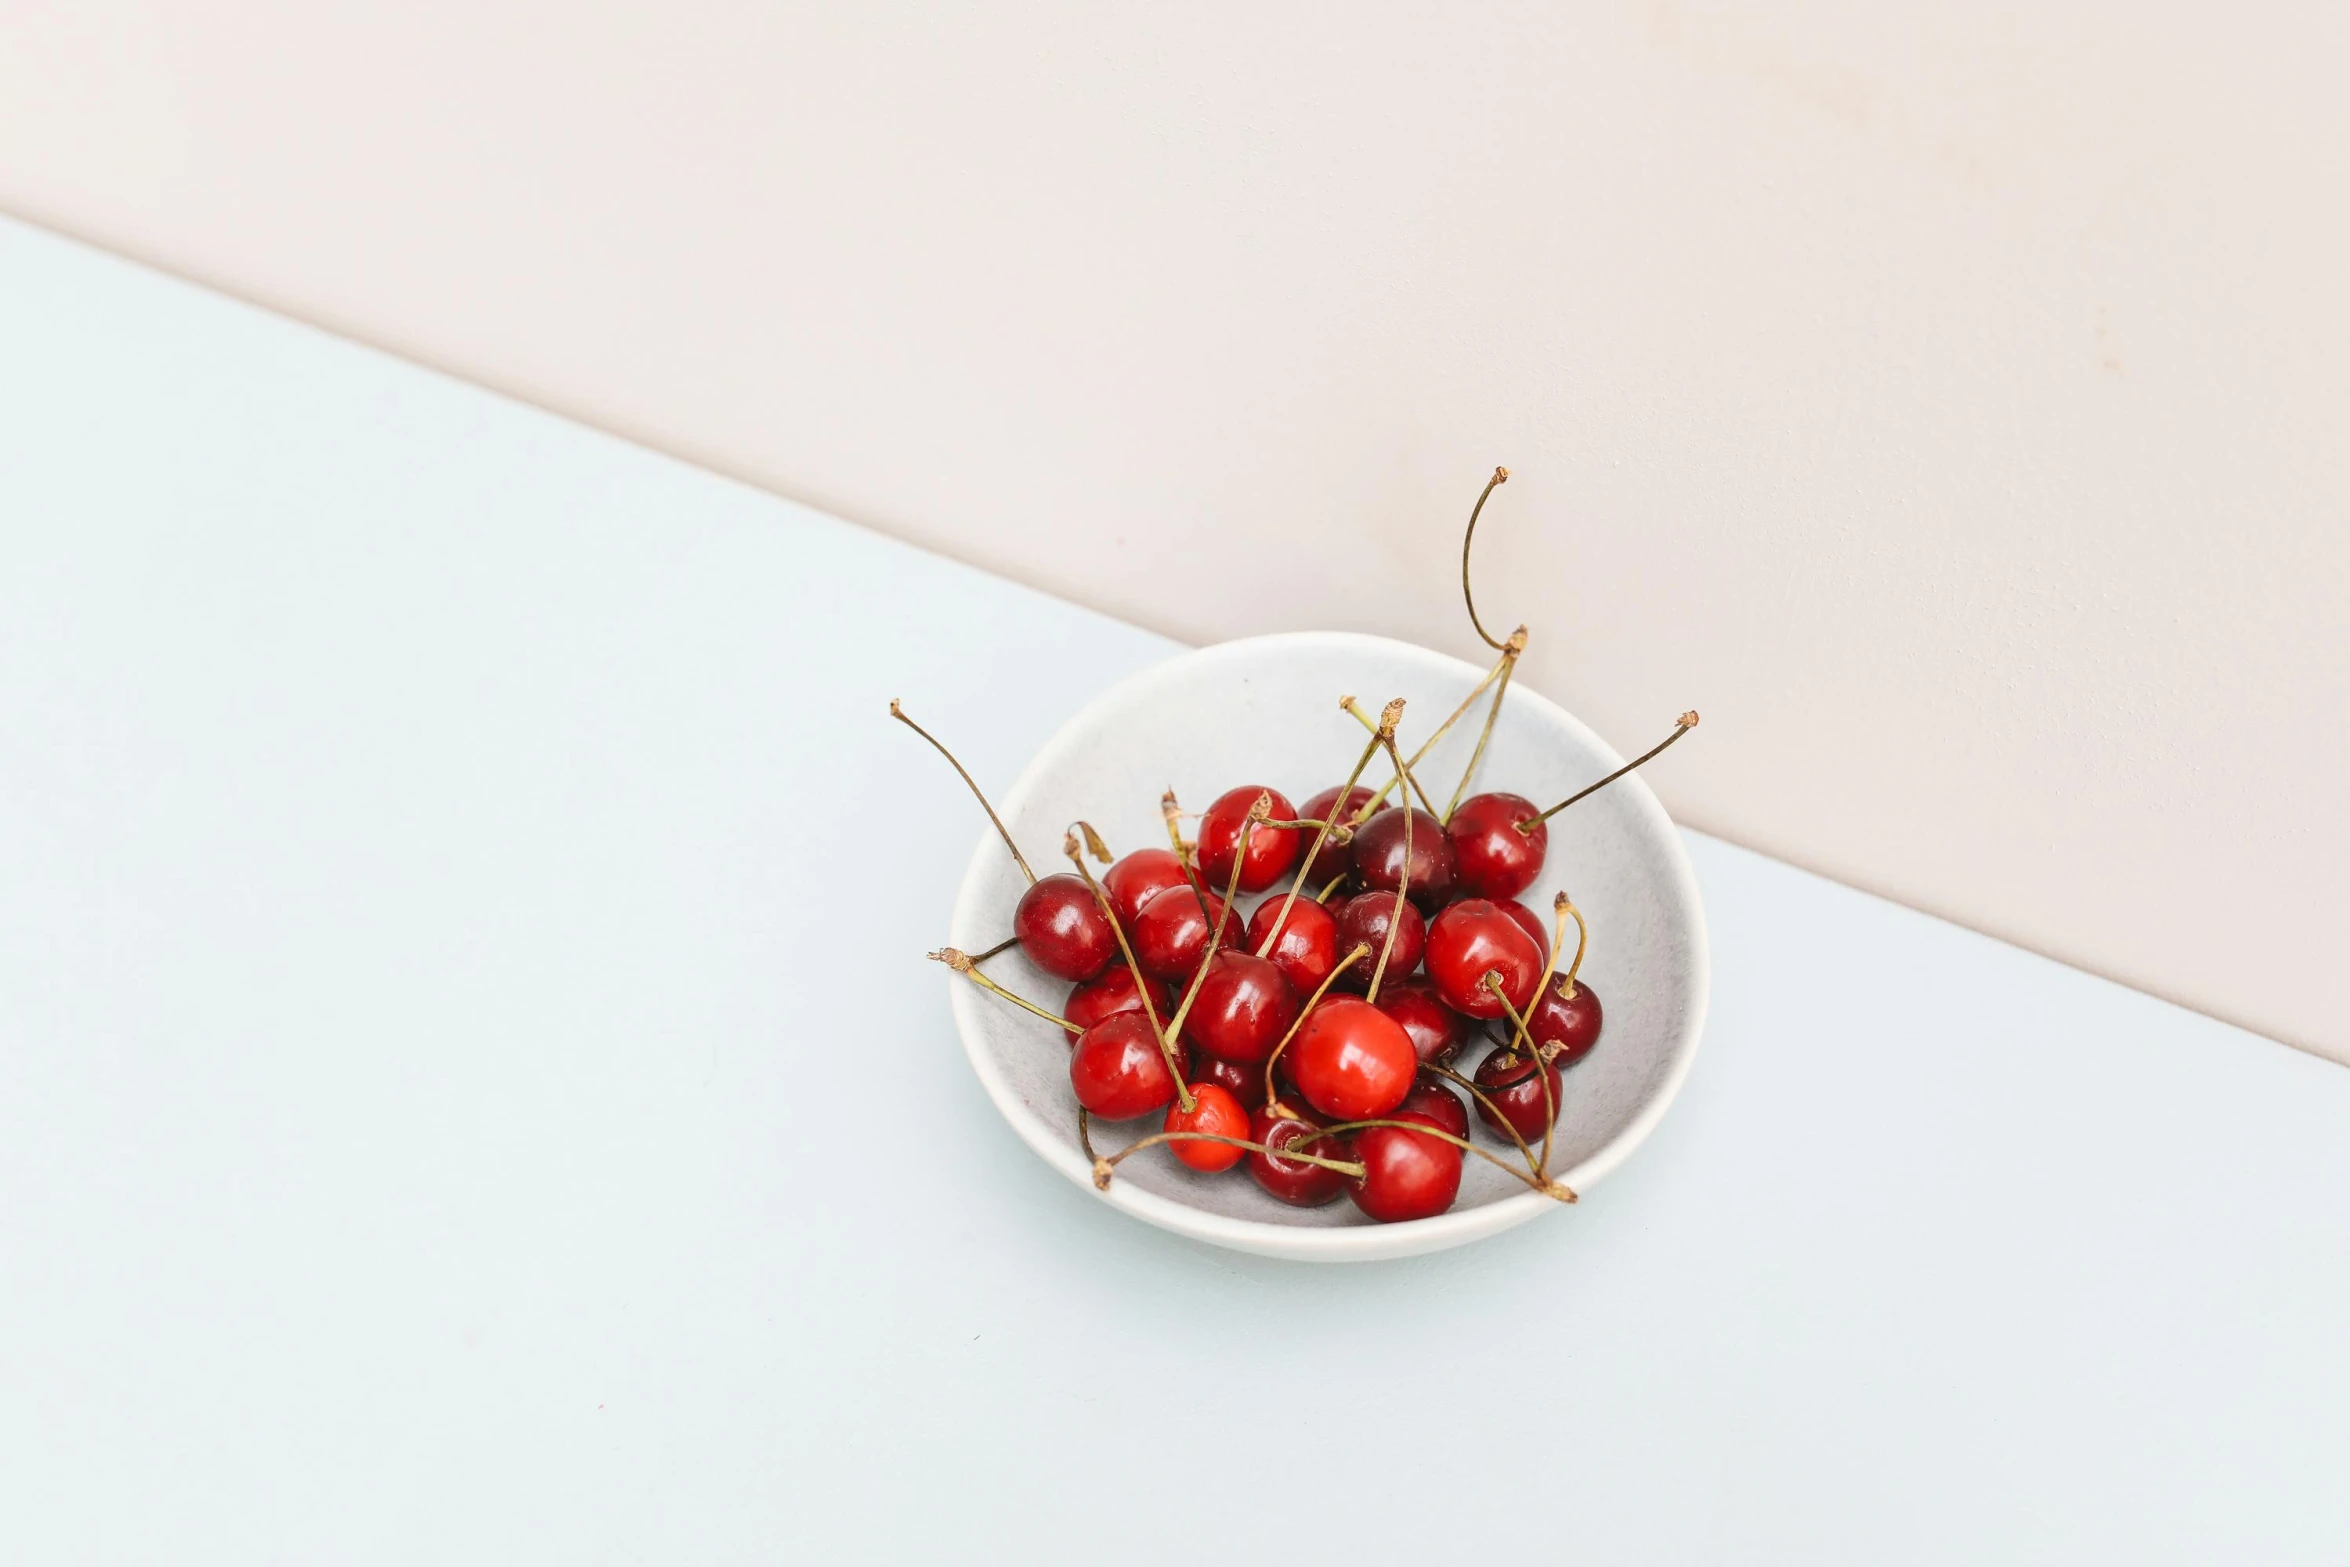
1325	1243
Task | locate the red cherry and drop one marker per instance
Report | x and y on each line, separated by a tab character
1114	989
1569	1022
1307	949
1379	857
1437	1031
1335	859
1527	921
1508	1080
1492	859
1138	877
1244	1083
1406	1174
1472	939
1062	929
1439	1104
1352	1060
1298	1184
1364	918
1243	1008
1272	852
1212	1110
1117	1071
1171	933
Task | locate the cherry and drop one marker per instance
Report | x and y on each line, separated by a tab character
1307	949
1213	1109
1137	877
1508	1080
1244	1083
1439	1104
1336	859
1298	1184
1406	1174
1171	933
1364	918
1528	921
1436	1030
1062	929
1351	1060
1379	857
1492	859
1117	1070
1472	939
1242	1009
1570	1022
1271	853
1114	989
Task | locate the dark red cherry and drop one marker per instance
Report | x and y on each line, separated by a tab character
1569	1022
1137	878
1406	1174
1299	1184
1117	1070
1527	921
1062	929
1472	939
1307	949
1508	1080
1213	1110
1491	858
1364	918
1244	1083
1114	989
1439	1104
1335	859
1437	1032
1272	851
1243	1008
1171	933
1379	857
1351	1060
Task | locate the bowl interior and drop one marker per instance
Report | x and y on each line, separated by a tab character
1265	712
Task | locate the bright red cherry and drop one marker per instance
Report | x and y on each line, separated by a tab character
1335	859
1491	858
1439	1104
1213	1110
1472	939
1114	989
1171	933
1137	878
1351	1060
1569	1022
1307	949
1528	921
1244	1083
1437	1031
1364	918
1062	929
1243	1008
1117	1070
1272	851
1406	1174
1508	1080
1379	857
1295	1182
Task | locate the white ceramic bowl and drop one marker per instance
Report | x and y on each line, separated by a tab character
1265	712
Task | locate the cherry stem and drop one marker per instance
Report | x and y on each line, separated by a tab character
1172	815
1454	1077
1093	842
1085	1134
1102	1167
1273	1099
1001	947
1534	1054
1150	1011
1501	476
1340	835
967	966
1403	767
1403	882
899	714
1330	886
1509	667
1686	722
1372	804
1546	1186
1563	907
1320	837
1258	810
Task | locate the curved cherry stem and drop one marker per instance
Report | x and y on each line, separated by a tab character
1320	837
1563	909
1331	886
1550	1104
1085	1134
1403	768
1103	1166
1258	810
1501	476
1002	831
1273	1098
1150	1011
1450	1076
1544	1185
1403	882
967	966
1363	813
1509	667
1682	726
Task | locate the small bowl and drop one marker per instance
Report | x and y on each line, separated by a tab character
1265	711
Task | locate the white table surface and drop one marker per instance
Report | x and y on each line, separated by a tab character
470	1089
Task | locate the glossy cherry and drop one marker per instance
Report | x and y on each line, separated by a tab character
1243	1008
1244	1083
1062	929
1437	1032
1272	851
1213	1110
1170	935
1299	1184
1528	921
1569	1022
1114	989
1307	948
1117	1071
1350	1060
1137	878
1379	857
1438	1103
1472	939
1335	859
1364	918
1406	1174
1491	858
1508	1080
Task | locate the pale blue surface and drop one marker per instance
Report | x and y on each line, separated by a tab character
470	1089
